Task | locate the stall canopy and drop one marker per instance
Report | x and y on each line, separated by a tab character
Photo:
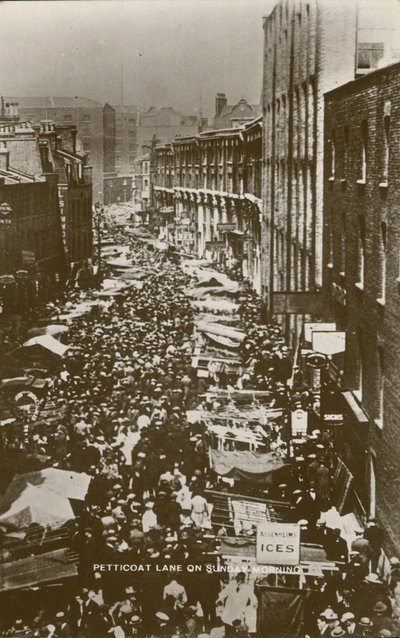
48	343
44	568
62	482
52	330
36	504
246	465
220	330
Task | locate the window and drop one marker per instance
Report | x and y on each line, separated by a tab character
86	117
345	151
361	253
364	152
332	158
386	134
67	118
360	366
343	245
330	238
381	382
382	256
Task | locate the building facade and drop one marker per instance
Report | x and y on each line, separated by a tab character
233	115
361	281
209	187
95	124
310	47
32	262
166	123
127	118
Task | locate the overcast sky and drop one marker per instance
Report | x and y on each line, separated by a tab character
172	50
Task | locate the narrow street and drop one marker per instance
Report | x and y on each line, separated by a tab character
166	423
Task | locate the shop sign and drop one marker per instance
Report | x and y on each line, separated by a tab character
309	327
333	419
316	360
167	209
186	221
5	210
215	245
226	228
299	422
328	343
28	257
188	236
27	404
278	544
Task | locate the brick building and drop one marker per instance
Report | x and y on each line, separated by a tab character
95	124
32	259
127	119
310	48
361	281
212	184
233	115
166	123
59	154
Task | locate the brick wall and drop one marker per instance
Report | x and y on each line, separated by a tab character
309	46
364	214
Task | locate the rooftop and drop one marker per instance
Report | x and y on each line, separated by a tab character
55	102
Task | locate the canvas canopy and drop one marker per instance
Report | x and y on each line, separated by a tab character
221	330
48	343
36	504
246	465
35	570
60	482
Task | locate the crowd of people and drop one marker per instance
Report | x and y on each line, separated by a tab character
123	390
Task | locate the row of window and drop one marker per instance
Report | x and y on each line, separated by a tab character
363	156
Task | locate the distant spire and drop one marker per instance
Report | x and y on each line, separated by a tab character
200	118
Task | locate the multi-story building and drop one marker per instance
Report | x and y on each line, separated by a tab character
166	123
211	184
58	149
32	258
126	144
310	47
94	121
361	270
233	115
142	183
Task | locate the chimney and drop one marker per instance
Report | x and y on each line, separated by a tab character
220	102
4	156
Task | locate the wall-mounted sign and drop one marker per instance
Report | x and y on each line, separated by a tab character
278	544
186	221
309	327
328	343
299	423
27	404
167	209
5	209
28	257
333	419
316	360
225	228
215	245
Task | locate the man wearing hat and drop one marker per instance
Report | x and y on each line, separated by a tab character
236	597
365	628
348	621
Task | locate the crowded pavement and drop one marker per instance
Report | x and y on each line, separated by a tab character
149	539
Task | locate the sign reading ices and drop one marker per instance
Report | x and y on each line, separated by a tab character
278	544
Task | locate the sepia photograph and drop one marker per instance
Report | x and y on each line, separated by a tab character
199	318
